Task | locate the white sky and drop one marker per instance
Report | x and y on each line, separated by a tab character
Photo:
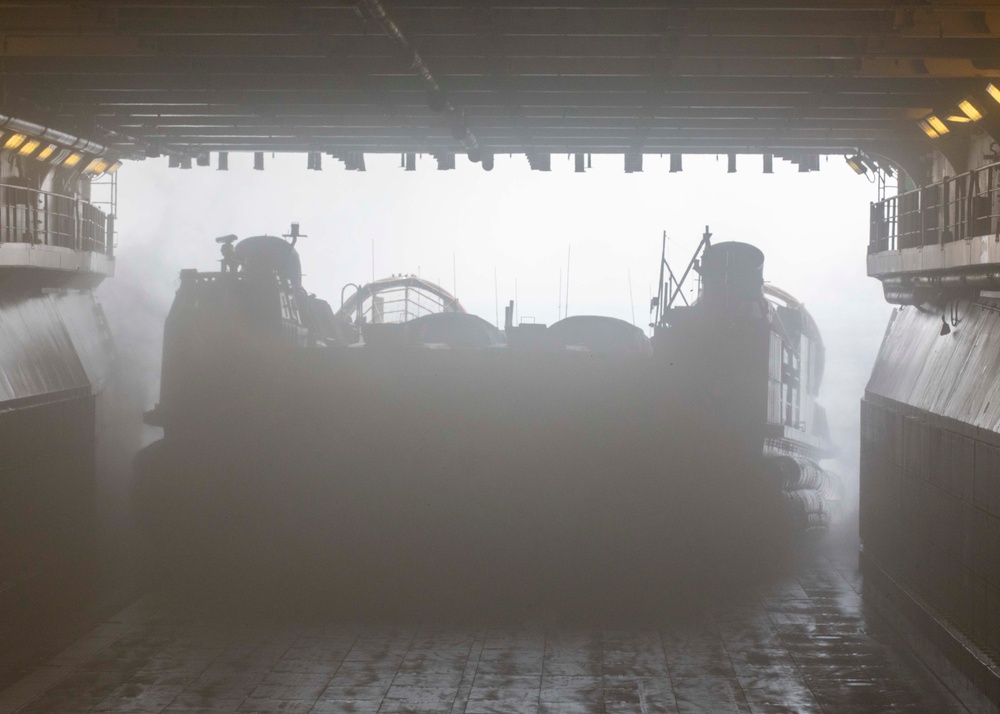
813	229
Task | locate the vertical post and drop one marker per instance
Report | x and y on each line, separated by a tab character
42	222
76	223
943	212
920	207
569	253
663	263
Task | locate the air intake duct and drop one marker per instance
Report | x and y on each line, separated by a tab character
732	273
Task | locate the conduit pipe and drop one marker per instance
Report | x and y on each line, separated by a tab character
921	289
52	136
438	100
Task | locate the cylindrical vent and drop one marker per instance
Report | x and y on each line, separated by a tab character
732	272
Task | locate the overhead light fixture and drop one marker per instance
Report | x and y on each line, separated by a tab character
72	160
928	129
46	152
939	126
14	141
769	163
114	167
29	147
857	164
223	161
446	162
314	161
185	162
731	168
994	91
808	162
487	162
203	159
354	161
97	166
970	110
258	161
578	161
958	119
410	162
633	163
540	162
676	163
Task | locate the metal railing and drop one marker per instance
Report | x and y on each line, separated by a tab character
43	218
965	206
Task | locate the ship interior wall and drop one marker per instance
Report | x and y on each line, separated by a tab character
47	488
930	497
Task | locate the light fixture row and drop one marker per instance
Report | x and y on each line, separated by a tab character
42	150
969	110
355	161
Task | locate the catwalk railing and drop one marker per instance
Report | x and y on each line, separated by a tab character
957	208
44	218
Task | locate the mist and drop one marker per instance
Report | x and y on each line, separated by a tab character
512	232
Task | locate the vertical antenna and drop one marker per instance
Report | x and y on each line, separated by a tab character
569	250
659	288
649	329
496	295
630	299
559	307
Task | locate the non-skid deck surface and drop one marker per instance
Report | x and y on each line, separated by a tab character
803	645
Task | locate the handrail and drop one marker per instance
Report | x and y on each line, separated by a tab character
37	217
956	208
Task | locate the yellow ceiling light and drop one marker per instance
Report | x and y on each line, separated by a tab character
97	166
928	129
14	141
72	160
939	126
994	91
29	147
958	119
46	152
969	109
856	164
114	167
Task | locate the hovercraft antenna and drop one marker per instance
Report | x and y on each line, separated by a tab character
670	285
294	233
228	261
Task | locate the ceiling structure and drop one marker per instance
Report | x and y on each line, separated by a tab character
538	77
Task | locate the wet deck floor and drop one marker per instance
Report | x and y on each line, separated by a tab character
803	645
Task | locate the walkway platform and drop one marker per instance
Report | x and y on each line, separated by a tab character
803	645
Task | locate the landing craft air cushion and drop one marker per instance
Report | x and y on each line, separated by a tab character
402	439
